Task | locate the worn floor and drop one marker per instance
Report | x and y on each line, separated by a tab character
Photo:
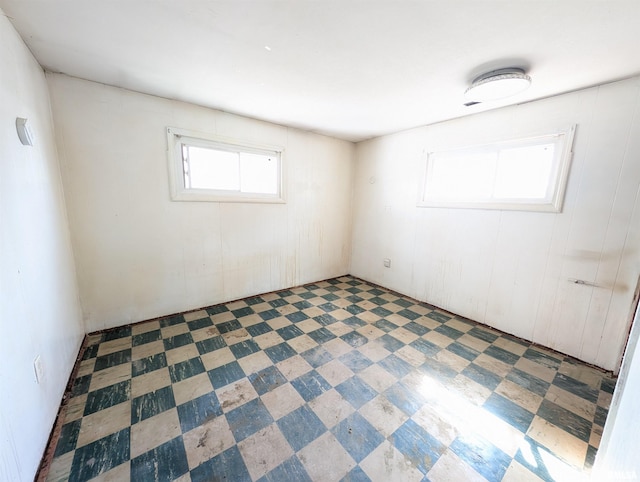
337	380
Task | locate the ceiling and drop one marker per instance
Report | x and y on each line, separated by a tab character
351	69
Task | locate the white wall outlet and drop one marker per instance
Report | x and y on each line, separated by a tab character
38	369
387	263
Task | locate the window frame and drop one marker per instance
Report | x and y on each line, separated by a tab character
176	137
553	202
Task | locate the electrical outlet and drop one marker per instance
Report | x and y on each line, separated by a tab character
38	369
387	263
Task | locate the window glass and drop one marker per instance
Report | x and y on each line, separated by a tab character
211	169
259	173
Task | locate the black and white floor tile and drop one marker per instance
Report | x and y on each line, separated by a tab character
336	380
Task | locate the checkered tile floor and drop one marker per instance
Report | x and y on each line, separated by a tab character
336	380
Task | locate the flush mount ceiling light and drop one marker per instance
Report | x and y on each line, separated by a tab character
498	84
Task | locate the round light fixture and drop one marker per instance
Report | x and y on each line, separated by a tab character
498	84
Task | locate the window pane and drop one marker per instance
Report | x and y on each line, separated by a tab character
461	178
214	169
524	172
258	173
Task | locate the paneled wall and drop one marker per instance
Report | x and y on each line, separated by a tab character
511	269
39	307
139	255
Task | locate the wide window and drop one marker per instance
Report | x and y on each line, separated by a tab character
217	169
528	174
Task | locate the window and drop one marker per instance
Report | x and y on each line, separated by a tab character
217	169
522	174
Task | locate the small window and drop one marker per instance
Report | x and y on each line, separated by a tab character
521	174
216	169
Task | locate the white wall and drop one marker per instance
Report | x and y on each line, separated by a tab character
507	269
39	307
617	458
139	255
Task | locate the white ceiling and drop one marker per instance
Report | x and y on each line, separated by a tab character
352	69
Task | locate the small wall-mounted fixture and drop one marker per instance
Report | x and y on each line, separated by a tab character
24	131
498	84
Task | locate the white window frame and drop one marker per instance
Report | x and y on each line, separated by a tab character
176	137
563	139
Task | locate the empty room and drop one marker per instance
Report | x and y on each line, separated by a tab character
311	240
